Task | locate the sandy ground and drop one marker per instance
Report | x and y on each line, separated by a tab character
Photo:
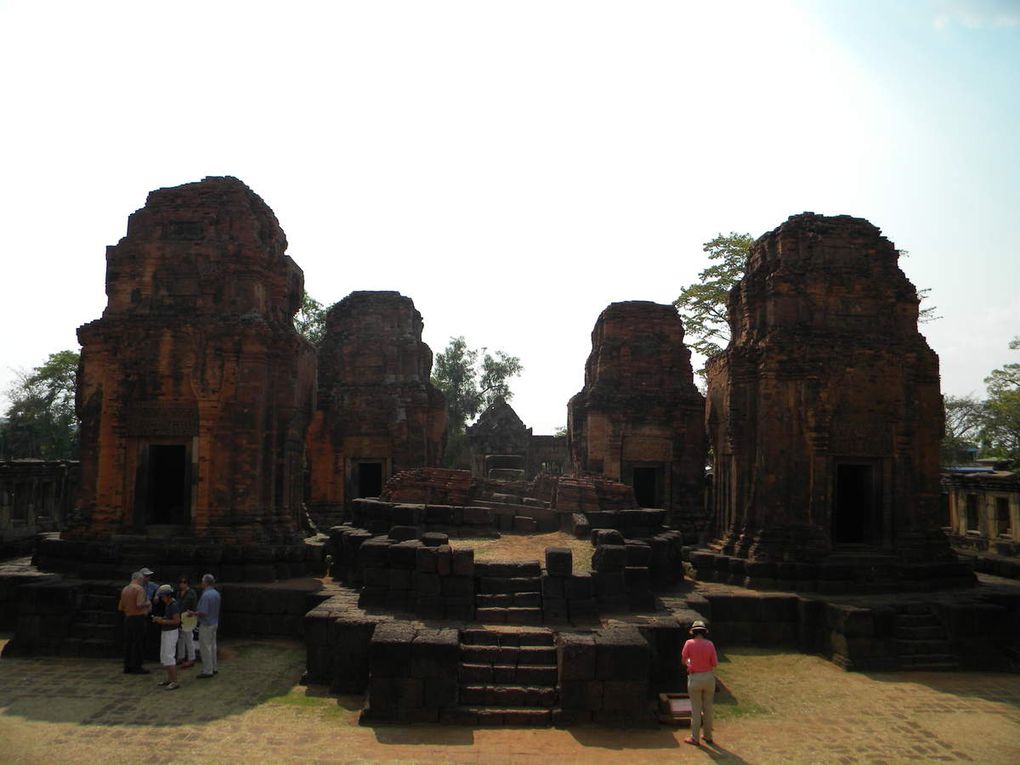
785	708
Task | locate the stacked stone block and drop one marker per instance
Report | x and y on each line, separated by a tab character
622	573
565	595
413	672
604	676
378	516
438	485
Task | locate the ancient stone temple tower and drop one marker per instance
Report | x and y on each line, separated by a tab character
378	413
195	390
640	419
825	415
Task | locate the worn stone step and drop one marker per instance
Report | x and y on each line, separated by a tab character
932	666
467	715
922	647
98	649
916	608
479	636
507	674
928	661
488	585
507	696
508	636
507	569
508	656
99	601
93	616
88	631
919	633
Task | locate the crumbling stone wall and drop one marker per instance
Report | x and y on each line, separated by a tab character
378	411
640	418
824	412
194	382
35	496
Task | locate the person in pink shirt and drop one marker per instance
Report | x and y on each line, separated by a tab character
699	659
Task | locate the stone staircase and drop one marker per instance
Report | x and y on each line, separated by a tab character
95	631
920	639
507	677
508	592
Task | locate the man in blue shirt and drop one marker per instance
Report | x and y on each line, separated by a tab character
208	612
149	585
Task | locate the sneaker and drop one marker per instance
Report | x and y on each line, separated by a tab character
172	686
165	682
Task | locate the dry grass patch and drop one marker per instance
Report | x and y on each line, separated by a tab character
519	546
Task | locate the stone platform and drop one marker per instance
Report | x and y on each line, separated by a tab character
174	555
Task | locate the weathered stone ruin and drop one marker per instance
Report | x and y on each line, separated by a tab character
640	418
198	402
35	496
983	516
825	418
504	448
378	412
195	390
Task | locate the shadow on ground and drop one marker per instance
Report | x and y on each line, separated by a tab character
96	692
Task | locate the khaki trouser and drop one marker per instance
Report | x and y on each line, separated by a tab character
701	688
207	647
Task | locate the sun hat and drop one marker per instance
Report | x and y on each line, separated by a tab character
699	626
164	589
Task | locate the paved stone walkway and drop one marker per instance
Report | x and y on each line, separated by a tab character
785	708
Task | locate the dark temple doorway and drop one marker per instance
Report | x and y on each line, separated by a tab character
168	496
857	517
368	479
644	482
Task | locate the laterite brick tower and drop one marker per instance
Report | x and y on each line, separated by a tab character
195	390
378	412
825	416
639	418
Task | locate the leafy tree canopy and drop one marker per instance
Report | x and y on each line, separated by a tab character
41	421
703	304
310	320
471	379
1000	432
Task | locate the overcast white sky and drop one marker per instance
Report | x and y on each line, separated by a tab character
514	167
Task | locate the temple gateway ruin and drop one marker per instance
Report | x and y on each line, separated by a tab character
215	439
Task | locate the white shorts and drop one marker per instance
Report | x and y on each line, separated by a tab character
168	647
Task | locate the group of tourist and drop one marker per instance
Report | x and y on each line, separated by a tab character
175	615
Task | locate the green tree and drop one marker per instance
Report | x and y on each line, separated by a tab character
1000	432
964	418
310	320
471	379
41	421
703	304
